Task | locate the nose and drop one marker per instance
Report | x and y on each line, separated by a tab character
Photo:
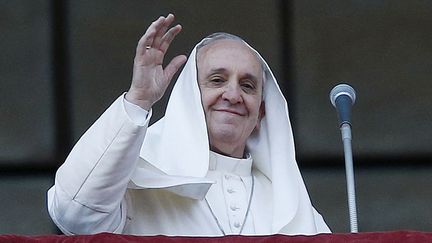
232	93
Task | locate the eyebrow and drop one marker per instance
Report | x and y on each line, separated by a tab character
217	70
251	77
224	70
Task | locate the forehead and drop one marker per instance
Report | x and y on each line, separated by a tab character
228	54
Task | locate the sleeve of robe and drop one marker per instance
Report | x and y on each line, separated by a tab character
89	189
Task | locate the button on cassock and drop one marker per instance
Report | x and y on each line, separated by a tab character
234	207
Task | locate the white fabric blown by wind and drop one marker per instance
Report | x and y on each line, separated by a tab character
177	147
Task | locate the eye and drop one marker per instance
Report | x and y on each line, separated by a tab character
217	80
248	86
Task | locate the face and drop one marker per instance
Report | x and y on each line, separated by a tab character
230	79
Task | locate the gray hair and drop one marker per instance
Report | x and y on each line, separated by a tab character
227	36
218	36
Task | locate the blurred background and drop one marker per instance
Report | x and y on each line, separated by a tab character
63	62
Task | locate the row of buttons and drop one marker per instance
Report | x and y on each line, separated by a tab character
235	198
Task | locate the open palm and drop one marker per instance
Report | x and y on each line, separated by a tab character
150	80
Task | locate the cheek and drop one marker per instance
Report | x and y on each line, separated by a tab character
208	99
205	101
254	107
206	104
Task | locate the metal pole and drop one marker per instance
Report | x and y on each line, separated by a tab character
346	139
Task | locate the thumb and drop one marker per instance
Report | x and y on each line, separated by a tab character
174	66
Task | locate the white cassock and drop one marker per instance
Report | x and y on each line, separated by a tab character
125	177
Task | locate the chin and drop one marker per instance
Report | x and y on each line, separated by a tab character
225	135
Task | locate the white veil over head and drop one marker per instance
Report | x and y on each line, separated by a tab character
178	145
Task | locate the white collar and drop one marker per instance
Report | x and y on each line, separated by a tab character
241	167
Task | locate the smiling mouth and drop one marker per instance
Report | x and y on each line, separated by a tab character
230	111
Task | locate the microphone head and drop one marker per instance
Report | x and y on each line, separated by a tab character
342	97
342	89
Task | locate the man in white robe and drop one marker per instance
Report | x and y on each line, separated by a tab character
221	161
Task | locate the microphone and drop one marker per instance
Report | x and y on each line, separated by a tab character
343	97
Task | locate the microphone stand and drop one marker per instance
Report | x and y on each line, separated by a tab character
349	169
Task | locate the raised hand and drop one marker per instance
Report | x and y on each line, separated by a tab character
150	80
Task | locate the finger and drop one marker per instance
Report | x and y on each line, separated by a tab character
174	66
149	35
169	37
162	30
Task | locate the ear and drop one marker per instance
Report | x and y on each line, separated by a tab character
261	114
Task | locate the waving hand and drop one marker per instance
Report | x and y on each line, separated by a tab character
150	80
